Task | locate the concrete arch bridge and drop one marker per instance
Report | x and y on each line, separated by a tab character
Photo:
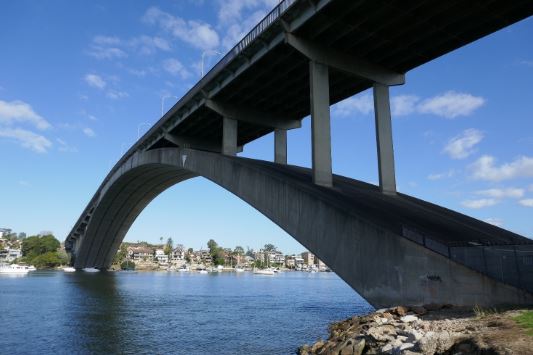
304	56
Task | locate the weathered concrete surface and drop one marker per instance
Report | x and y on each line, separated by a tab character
382	266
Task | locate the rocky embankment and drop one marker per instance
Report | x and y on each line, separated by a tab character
431	329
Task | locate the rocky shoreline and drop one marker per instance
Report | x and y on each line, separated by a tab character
430	329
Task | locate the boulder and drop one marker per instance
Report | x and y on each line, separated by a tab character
400	310
382	333
406	346
409	318
419	310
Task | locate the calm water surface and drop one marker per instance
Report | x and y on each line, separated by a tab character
176	313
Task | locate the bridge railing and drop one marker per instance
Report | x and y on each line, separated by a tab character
265	23
511	264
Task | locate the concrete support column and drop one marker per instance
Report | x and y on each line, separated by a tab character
320	124
229	136
387	178
280	146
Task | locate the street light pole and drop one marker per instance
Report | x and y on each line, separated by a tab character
210	52
139	128
163	102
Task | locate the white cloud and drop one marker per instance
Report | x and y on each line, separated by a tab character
462	146
480	203
148	45
403	105
174	67
89	132
230	11
198	34
115	94
19	111
451	104
240	27
511	192
65	147
498	222
485	169
27	139
528	202
110	47
530	188
363	104
100	52
95	81
439	176
107	40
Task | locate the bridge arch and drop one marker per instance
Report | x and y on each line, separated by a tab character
381	265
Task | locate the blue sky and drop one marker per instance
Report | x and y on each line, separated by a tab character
80	80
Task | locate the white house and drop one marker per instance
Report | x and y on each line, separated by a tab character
160	256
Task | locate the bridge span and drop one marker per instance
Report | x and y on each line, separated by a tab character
303	57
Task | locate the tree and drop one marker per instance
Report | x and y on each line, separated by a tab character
269	248
121	254
48	260
238	250
217	253
127	265
212	246
168	246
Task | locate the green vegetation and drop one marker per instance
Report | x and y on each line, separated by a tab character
42	252
525	320
127	265
481	312
216	252
168	247
121	255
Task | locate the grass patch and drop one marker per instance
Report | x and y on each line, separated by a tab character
525	320
483	312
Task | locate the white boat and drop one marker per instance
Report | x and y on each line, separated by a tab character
32	268
69	269
91	269
203	272
238	269
14	269
183	269
263	272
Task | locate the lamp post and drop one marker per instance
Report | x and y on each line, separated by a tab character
139	128
163	102
210	52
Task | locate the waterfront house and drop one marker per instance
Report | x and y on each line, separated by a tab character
161	257
178	254
309	258
140	253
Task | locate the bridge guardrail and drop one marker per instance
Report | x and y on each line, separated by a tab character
511	264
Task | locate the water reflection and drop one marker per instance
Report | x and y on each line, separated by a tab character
97	314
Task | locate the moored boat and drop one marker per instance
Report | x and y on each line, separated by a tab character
14	269
263	272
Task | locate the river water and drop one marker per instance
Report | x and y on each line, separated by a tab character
52	312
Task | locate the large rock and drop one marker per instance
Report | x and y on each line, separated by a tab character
383	332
